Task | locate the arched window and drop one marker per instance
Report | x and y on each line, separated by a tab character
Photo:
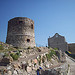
56	35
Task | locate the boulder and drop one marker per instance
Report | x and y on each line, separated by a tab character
29	69
15	65
30	64
23	62
47	65
9	73
15	72
9	67
35	61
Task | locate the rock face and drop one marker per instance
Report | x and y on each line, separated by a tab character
21	32
58	41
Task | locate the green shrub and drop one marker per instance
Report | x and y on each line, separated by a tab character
34	47
48	57
6	55
55	48
18	53
34	64
1	47
12	54
50	54
48	47
15	56
39	62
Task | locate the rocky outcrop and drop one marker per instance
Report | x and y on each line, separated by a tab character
32	59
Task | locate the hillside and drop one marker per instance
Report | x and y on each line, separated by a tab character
29	60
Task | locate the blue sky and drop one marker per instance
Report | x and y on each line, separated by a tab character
50	17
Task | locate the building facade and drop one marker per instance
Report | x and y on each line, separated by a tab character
58	41
21	32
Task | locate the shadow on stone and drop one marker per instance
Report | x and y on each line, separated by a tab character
4	62
48	72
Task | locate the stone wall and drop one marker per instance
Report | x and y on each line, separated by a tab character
21	32
58	41
71	48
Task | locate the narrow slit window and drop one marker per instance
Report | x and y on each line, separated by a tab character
31	26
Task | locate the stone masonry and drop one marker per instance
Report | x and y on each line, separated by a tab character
58	41
21	32
71	48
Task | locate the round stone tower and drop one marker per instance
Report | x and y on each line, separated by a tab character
21	32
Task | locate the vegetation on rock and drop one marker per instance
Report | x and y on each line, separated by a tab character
55	48
50	54
1	47
15	56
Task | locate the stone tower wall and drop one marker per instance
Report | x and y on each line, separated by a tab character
21	32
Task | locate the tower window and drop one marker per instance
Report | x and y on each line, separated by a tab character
56	35
20	22
28	40
31	26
